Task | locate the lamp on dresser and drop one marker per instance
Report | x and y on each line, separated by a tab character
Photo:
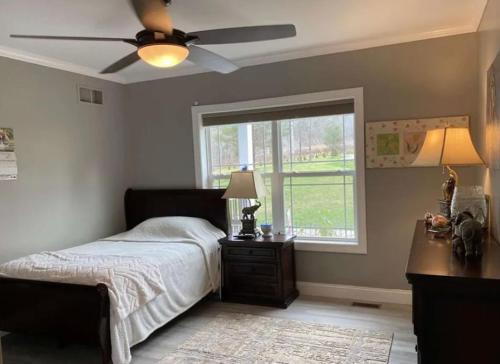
448	147
247	185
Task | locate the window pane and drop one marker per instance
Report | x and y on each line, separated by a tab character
315	144
262	147
320	207
238	146
233	148
223	146
219	182
264	214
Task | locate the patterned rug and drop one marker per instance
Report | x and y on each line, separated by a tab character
241	338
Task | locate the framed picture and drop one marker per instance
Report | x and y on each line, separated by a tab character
8	161
493	115
396	143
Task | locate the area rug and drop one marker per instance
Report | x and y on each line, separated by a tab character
242	339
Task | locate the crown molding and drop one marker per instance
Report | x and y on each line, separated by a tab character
57	64
319	51
244	62
355	45
480	18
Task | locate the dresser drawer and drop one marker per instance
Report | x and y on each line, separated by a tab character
243	253
263	270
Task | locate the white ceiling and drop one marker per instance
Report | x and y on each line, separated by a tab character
323	26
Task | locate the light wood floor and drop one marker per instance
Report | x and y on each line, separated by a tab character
389	318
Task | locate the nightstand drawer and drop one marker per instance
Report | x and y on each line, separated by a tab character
264	270
243	286
250	253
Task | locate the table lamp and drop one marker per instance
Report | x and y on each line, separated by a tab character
448	147
246	185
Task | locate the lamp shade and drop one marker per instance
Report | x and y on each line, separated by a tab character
448	146
245	184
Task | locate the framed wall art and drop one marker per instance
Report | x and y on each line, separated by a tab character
396	143
8	161
493	115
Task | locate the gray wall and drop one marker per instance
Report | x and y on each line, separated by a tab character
70	159
489	47
419	79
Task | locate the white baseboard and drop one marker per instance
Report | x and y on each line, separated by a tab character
355	293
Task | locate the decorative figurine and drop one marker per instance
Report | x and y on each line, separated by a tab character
439	221
428	220
437	224
468	235
248	212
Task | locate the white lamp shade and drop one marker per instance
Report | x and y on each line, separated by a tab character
245	184
449	146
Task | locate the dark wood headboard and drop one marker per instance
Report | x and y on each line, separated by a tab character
141	205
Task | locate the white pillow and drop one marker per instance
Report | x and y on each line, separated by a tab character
173	227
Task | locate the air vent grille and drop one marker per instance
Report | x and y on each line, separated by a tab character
366	304
90	96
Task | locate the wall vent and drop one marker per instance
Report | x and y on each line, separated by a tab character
366	305
90	96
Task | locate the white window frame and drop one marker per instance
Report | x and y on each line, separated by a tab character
355	94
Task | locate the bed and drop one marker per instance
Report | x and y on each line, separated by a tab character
82	312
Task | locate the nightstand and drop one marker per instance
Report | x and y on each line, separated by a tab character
259	271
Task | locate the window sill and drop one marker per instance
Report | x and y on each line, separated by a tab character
330	247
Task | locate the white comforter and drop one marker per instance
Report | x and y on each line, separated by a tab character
153	273
132	281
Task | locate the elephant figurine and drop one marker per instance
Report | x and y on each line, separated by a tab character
248	212
468	235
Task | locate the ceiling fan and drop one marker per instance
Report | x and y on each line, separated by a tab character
161	45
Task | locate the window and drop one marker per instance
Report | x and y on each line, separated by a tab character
309	150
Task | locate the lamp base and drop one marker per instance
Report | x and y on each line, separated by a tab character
445	208
448	187
249	227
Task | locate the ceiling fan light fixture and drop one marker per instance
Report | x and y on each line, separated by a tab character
163	55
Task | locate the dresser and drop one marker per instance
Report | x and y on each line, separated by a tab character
1	353
456	303
259	271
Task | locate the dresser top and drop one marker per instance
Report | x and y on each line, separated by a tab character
431	257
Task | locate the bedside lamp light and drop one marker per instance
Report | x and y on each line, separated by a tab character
246	185
448	147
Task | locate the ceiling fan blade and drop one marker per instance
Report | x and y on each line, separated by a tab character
210	60
55	37
244	34
153	15
122	63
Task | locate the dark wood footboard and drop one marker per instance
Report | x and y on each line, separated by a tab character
69	311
